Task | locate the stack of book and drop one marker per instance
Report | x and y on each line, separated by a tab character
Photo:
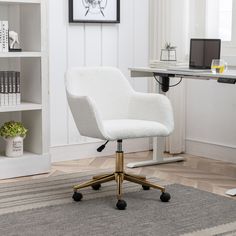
10	88
167	64
4	41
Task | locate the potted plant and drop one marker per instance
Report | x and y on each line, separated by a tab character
168	53
14	134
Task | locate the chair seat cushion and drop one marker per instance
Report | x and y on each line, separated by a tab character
131	128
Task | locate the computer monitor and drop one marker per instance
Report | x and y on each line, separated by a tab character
202	52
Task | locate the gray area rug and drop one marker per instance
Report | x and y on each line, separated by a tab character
45	207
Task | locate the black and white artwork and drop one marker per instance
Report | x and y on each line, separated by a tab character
94	11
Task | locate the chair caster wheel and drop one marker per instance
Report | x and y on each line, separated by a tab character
165	197
121	205
145	187
77	196
96	186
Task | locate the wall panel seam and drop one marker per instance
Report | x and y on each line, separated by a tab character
101	45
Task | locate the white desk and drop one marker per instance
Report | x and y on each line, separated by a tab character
158	157
148	72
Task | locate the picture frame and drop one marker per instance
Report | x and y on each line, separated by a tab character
94	11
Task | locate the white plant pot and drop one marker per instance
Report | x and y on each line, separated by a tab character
14	146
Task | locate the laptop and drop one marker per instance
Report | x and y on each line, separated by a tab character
202	52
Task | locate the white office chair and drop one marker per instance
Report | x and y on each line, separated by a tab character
105	106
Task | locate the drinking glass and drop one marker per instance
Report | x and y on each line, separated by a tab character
218	66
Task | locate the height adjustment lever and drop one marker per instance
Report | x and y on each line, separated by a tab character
100	149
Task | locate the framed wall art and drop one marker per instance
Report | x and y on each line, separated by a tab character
94	11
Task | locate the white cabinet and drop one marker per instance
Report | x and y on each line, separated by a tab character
29	19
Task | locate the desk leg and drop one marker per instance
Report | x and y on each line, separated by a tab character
158	155
231	192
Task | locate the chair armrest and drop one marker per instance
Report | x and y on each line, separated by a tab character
86	116
152	107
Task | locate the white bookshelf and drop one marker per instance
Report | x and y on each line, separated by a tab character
24	106
32	62
20	1
20	54
29	164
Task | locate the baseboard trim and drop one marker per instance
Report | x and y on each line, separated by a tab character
88	150
214	151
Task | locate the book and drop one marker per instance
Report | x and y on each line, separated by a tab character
5	78
166	64
5	43
18	92
10	89
0	36
2	101
14	88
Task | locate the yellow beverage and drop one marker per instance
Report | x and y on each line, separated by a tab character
218	68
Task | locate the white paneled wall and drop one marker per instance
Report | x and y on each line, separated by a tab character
210	106
122	45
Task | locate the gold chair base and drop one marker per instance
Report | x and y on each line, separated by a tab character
119	176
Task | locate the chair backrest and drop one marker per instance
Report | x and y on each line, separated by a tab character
107	87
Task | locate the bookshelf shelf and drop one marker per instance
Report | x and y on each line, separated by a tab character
20	54
24	106
29	164
29	19
20	1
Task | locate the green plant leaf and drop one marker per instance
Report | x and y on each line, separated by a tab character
13	129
